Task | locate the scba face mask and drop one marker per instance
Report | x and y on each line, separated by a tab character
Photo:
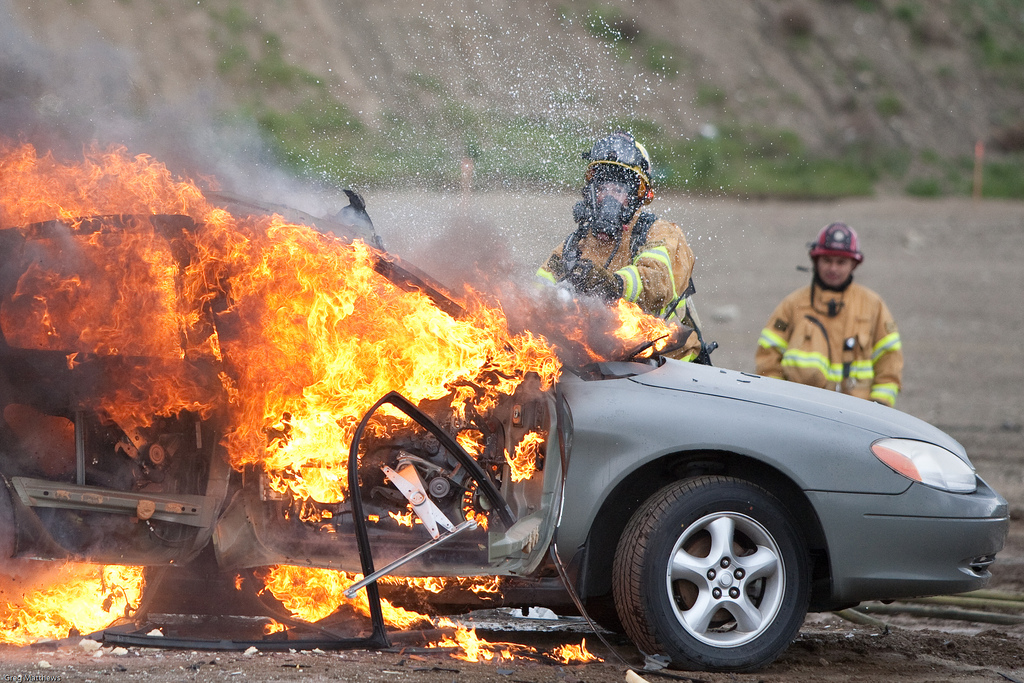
610	207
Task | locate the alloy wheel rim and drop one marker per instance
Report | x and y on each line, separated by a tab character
726	579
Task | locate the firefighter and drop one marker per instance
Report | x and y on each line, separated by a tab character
619	251
834	333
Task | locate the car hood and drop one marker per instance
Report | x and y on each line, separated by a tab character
790	396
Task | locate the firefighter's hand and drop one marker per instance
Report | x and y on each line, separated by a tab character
587	278
578	275
607	285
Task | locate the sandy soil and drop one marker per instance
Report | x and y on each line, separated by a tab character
949	271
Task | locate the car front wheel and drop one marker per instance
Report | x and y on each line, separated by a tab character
712	572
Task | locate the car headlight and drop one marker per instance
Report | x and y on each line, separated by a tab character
926	463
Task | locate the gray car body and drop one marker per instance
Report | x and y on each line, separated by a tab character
881	535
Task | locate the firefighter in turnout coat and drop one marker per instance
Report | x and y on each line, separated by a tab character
834	333
620	252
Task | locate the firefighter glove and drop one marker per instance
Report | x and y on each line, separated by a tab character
587	278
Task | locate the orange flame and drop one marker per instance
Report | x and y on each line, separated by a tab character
574	654
403	518
433	584
490	584
470	647
468	440
273	626
436	584
312	594
481	519
62	600
303	309
634	325
523	464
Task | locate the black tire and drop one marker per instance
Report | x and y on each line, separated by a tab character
713	573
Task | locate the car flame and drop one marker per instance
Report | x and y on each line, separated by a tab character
56	601
308	335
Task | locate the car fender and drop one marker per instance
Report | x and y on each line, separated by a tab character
817	439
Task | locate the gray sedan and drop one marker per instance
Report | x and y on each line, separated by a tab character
733	503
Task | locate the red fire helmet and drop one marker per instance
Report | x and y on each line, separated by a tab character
837	239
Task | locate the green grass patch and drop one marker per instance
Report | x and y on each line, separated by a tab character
665	58
889	105
924	187
930	157
326	142
610	24
759	163
624	37
235	20
997	53
272	69
1004	179
997	34
232	57
709	96
511	152
427	83
908	12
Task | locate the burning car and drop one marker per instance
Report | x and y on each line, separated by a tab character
187	380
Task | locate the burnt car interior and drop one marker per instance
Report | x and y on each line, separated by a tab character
88	485
158	480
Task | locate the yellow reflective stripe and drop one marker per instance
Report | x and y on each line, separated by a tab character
770	340
861	369
890	342
689	357
795	358
886	393
631	285
660	254
546	275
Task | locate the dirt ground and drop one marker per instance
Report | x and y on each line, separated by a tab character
950	272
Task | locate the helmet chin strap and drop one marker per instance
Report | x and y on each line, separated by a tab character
822	285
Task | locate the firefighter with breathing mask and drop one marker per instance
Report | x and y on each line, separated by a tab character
619	251
834	333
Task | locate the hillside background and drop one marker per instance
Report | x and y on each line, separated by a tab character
742	98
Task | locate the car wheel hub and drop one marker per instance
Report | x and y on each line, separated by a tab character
726	578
